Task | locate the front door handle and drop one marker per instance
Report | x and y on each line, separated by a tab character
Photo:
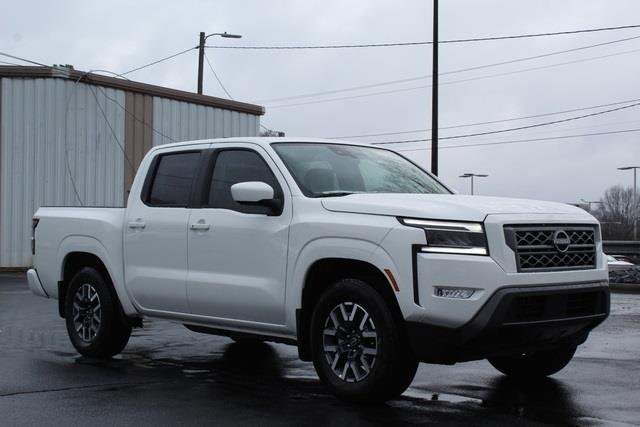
138	223
199	226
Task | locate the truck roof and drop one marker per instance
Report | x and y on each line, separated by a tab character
263	140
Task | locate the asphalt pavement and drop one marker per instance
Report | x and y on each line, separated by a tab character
168	375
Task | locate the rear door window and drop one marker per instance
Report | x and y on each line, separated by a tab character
172	180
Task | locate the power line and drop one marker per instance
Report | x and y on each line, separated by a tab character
113	132
572	110
338	46
568	119
217	78
24	60
225	89
518	141
461	70
422	43
542	67
556	33
158	61
136	118
492	121
347	89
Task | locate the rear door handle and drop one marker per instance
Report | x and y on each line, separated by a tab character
199	226
137	224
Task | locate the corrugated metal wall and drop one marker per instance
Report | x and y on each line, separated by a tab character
182	121
52	130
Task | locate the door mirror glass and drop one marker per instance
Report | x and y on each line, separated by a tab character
252	192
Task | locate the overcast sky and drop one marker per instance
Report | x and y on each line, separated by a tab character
121	35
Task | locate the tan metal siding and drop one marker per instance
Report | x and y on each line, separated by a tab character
138	134
44	140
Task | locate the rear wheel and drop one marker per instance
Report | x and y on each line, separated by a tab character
94	324
358	348
534	365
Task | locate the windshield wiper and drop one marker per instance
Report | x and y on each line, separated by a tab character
335	193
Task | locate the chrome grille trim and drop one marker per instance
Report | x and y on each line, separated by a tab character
535	249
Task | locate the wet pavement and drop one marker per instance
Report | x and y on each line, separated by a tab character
168	375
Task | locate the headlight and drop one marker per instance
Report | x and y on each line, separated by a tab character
451	237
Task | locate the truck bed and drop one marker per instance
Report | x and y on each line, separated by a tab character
91	228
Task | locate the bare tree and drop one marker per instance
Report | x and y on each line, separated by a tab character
618	210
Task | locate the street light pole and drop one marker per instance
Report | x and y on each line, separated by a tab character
201	43
472	176
635	198
434	93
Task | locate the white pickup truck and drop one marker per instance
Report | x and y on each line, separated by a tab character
364	261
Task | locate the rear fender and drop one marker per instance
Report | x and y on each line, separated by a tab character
111	261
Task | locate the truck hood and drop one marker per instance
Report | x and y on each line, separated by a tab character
444	206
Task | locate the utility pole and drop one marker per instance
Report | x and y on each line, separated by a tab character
203	40
434	94
200	61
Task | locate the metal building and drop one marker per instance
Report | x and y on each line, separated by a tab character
69	138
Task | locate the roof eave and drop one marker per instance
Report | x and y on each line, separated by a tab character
129	86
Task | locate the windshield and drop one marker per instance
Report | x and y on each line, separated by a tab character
325	170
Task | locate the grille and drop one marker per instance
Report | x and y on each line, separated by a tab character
552	247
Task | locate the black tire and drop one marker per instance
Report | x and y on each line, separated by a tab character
392	368
101	339
534	365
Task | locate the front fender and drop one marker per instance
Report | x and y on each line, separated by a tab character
330	247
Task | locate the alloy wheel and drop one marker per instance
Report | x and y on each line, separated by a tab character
350	342
87	312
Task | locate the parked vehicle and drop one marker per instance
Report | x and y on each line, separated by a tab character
615	264
364	261
624	258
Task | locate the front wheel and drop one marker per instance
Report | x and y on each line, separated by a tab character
534	365
93	322
359	349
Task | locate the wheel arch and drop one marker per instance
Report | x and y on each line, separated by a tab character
75	261
75	249
326	271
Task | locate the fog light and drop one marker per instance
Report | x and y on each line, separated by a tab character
459	293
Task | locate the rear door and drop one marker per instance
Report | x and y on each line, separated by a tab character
156	232
238	253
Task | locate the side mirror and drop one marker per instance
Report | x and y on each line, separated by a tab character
251	192
256	193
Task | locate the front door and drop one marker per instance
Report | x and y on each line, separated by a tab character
238	253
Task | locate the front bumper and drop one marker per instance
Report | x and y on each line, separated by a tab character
34	283
516	320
